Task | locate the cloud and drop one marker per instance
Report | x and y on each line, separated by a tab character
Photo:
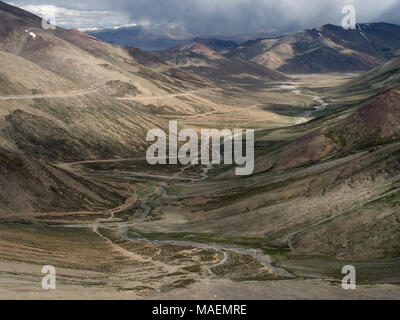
79	19
202	17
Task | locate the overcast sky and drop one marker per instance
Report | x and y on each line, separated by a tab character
204	17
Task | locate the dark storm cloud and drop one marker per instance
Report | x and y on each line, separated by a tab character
222	16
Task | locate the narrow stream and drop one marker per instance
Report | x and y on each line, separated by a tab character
145	204
257	254
304	117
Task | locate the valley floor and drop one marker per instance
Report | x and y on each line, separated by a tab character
160	243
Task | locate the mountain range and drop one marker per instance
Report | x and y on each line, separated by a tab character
162	37
206	57
326	49
145	38
74	115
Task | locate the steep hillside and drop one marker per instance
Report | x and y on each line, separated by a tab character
73	55
376	123
386	75
60	91
29	186
17	75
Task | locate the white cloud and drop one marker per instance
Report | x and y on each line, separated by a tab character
204	17
79	19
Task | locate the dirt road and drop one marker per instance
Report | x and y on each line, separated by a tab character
51	96
175	95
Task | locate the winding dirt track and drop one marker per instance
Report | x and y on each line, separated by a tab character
78	93
129	202
51	96
174	95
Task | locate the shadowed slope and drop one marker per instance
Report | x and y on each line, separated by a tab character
29	185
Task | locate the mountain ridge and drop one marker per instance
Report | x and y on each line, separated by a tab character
329	48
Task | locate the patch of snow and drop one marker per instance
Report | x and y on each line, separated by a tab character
365	37
320	34
32	35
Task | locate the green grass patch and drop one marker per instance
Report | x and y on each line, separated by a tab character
246	242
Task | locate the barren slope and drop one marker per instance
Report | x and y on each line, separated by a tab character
30	186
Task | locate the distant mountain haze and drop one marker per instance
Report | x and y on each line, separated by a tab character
329	48
141	37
